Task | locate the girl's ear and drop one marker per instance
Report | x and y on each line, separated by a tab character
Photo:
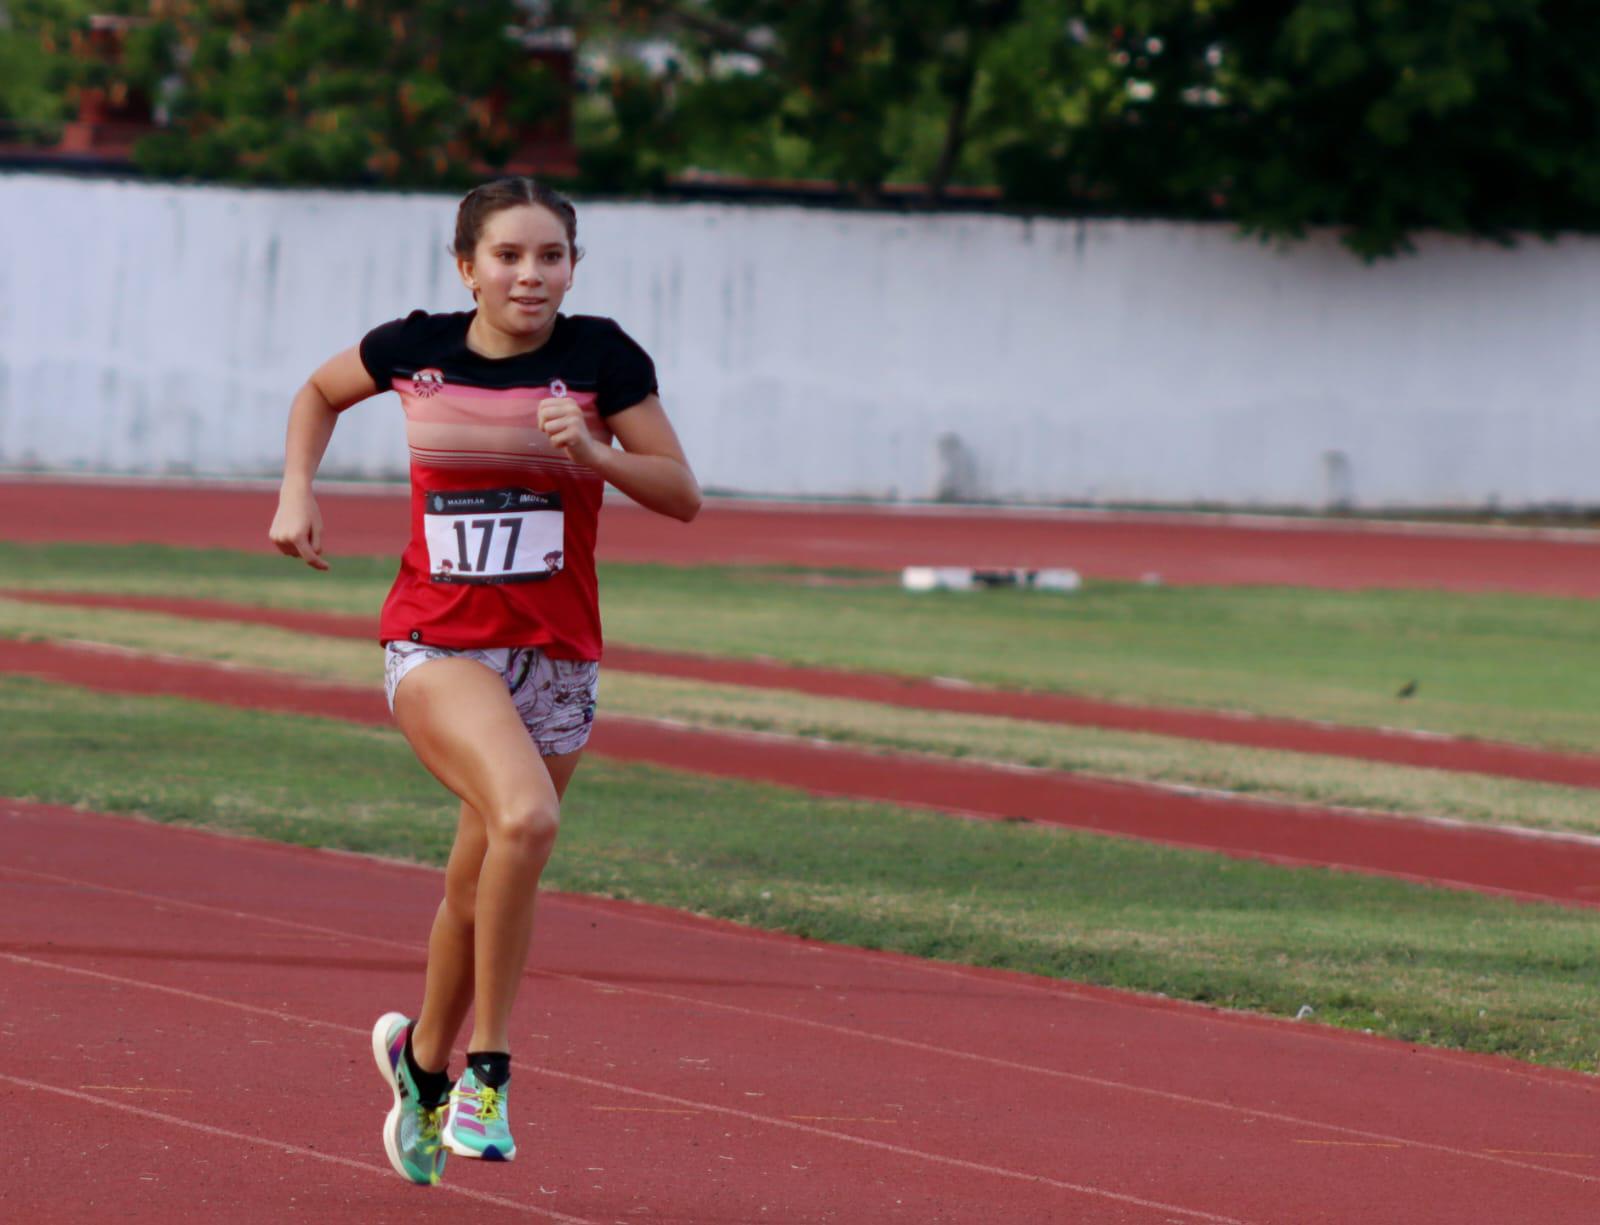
468	276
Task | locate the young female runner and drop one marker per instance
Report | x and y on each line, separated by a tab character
492	629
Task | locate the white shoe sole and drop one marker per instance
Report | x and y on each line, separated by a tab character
391	1124
461	1150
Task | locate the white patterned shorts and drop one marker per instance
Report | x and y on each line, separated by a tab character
555	697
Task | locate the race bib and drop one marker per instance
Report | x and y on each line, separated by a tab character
492	535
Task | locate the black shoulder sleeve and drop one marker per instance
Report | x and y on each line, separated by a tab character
627	375
382	347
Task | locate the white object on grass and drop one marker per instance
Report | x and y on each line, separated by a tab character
1056	580
966	578
936	578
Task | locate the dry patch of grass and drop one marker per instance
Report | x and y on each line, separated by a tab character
1505	667
251	646
1261	773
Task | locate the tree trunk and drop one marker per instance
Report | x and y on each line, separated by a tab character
955	132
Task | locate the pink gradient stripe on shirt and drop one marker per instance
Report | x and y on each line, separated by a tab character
521	410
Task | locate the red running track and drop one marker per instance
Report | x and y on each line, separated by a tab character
1562	869
1182	549
186	1039
1299	736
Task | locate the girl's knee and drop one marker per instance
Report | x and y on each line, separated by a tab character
528	830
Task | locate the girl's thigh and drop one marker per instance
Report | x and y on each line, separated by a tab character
561	767
464	728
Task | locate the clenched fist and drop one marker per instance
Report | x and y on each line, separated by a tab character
562	420
297	528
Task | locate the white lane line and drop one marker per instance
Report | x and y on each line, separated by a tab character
1204	519
607	1086
1085	1079
866	507
942	1052
1048	990
901	1150
293	1150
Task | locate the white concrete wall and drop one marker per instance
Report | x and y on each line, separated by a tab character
153	328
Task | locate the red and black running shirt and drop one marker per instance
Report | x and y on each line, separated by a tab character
502	522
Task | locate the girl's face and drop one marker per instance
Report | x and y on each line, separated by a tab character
521	270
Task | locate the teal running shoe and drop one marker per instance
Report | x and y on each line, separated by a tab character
411	1132
477	1125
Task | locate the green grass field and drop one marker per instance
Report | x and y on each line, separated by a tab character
1502	667
1265	774
1426	965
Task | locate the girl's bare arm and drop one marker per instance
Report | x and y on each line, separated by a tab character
335	385
651	468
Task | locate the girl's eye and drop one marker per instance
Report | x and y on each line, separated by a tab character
508	257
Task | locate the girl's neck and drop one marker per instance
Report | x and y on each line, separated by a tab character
486	340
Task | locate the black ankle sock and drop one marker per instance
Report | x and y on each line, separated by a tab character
432	1087
492	1068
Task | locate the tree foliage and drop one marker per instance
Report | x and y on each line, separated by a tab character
358	91
1378	116
853	91
37	65
1382	117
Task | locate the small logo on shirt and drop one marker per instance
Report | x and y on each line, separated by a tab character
427	383
552	561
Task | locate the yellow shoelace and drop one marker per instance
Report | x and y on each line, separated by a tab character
428	1130
489	1100
432	1140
